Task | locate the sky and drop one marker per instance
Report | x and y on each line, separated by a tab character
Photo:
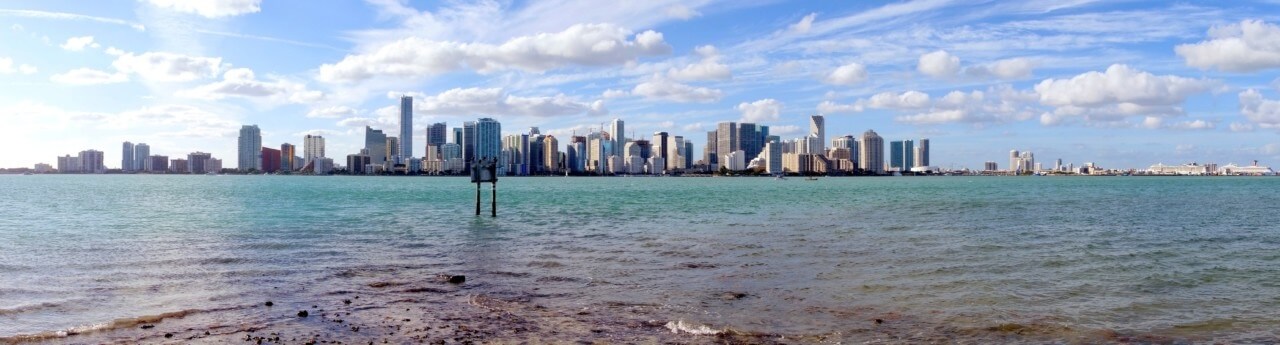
1118	83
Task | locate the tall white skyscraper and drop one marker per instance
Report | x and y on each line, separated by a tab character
406	127
818	129
619	138
871	153
126	157
250	148
312	147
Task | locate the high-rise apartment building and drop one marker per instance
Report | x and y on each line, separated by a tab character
140	153
126	157
488	139
406	128
287	154
250	148
270	160
818	130
726	139
91	162
922	153
660	149
376	142
197	162
871	152
551	154
468	143
312	148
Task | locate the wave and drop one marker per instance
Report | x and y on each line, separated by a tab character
680	326
26	308
121	323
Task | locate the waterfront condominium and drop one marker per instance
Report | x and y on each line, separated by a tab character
488	142
140	153
436	135
250	148
126	157
871	152
406	128
312	148
922	153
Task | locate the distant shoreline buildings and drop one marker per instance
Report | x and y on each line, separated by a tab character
731	148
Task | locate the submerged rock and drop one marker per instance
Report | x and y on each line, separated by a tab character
452	279
302	313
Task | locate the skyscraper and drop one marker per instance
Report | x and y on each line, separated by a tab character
617	133
140	153
393	150
198	162
551	154
709	151
726	139
406	128
312	148
922	153
488	139
91	162
250	148
126	157
437	134
895	155
270	160
871	153
376	142
469	143
287	152
660	150
749	140
909	154
818	129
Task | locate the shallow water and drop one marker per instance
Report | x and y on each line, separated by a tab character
960	258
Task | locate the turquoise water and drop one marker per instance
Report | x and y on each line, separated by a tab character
1061	257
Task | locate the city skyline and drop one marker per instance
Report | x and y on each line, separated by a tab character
1084	82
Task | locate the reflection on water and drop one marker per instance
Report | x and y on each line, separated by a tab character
856	259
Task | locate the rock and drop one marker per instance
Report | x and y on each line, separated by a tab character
458	279
270	304
346	301
168	335
148	326
879	321
302	313
729	296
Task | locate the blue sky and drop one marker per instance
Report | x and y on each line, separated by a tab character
1118	83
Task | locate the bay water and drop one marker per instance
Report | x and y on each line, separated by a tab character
1090	259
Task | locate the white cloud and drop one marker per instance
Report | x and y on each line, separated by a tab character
1193	125
849	74
764	110
7	67
68	16
939	64
1015	68
494	101
829	107
1118	93
804	25
682	12
708	69
659	88
242	83
331	112
614	93
582	44
76	44
787	130
1241	127
1265	113
1251	45
168	67
998	104
906	100
86	76
210	8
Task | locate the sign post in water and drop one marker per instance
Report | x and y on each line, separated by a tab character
486	170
